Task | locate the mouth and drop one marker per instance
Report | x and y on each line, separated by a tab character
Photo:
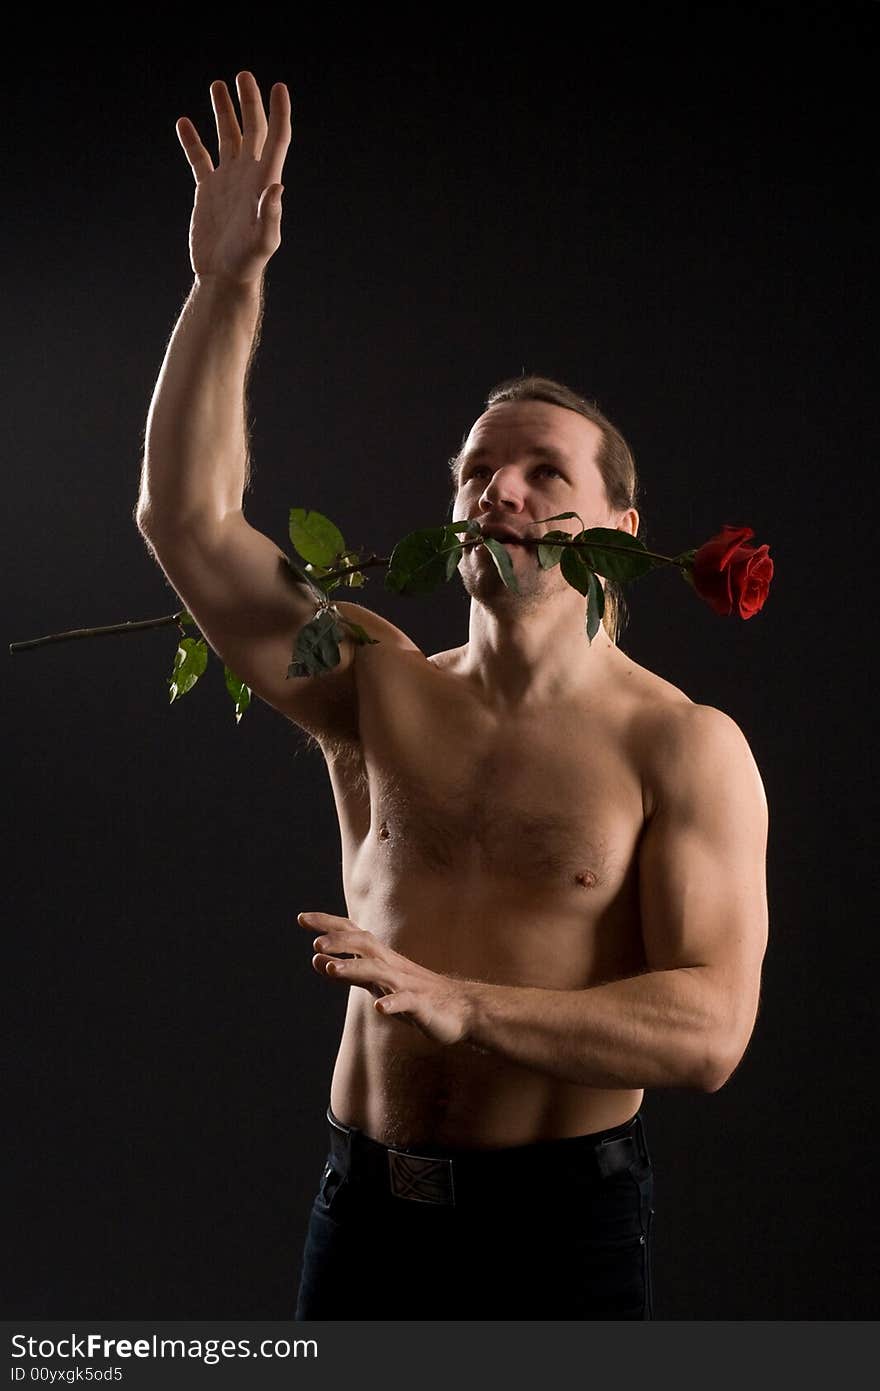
509	538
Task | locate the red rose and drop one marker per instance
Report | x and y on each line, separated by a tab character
730	575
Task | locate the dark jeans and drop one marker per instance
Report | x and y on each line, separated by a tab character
535	1232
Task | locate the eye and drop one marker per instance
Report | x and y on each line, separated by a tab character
482	468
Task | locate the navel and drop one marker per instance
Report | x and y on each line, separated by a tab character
384	832
586	879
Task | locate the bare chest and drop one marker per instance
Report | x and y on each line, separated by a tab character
448	792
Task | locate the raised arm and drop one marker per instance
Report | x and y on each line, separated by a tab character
232	578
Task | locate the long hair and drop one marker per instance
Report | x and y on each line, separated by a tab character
614	460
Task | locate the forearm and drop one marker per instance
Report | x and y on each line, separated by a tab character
195	451
659	1029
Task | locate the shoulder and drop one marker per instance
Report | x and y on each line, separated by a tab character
701	731
699	753
682	743
377	627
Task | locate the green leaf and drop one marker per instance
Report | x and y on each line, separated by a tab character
319	575
327	581
575	568
624	559
356	579
423	560
241	694
561	516
315	537
595	607
548	554
614	554
190	661
503	562
317	645
186	617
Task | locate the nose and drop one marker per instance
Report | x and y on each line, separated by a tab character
503	488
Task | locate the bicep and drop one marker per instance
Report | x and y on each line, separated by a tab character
702	862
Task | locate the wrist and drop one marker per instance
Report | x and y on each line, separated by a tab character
227	287
471	996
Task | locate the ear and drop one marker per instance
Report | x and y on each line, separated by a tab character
628	521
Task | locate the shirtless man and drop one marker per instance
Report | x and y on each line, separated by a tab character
553	860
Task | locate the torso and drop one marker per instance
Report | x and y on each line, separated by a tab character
495	849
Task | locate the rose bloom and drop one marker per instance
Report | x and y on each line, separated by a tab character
731	575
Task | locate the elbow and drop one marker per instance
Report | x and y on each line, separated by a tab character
713	1079
719	1061
718	1046
141	516
705	1058
152	525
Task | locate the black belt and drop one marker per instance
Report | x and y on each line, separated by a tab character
439	1178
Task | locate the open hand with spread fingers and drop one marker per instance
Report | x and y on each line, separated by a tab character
440	1006
236	220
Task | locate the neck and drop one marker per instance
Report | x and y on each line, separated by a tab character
528	657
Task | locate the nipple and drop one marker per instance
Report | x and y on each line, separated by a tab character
587	879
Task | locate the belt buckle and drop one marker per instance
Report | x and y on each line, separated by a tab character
421	1178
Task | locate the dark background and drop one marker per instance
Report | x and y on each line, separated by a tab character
672	212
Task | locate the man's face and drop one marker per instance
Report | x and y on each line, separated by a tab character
522	462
